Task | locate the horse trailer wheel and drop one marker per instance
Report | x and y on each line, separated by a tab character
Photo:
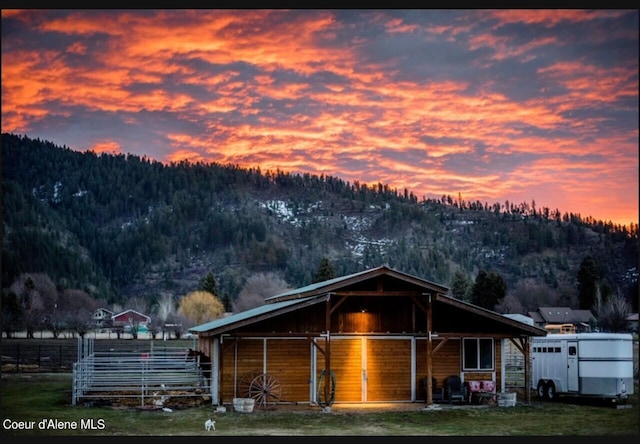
551	391
542	390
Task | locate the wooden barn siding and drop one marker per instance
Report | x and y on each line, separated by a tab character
358	322
387	360
383	314
289	360
304	320
346	364
205	345
250	361
388	369
446	362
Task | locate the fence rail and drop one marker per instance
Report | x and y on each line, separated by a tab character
152	375
514	371
59	355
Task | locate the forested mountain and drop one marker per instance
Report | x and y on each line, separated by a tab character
119	226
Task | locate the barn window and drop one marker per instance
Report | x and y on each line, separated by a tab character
478	354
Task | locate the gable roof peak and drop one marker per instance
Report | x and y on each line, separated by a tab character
333	284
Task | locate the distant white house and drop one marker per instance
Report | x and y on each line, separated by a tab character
102	318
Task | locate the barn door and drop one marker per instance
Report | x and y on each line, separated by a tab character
346	365
370	369
387	368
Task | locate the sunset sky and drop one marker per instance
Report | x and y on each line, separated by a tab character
494	105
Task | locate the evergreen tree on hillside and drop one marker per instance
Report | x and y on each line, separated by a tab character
488	290
325	271
208	283
113	224
461	286
587	283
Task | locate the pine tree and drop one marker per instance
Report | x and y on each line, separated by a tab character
324	272
488	290
461	286
587	283
208	283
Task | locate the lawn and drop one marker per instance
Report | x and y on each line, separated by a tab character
30	398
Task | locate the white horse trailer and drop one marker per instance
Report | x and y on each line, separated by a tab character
583	364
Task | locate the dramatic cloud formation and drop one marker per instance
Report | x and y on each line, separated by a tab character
493	105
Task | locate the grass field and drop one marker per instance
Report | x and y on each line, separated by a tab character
30	398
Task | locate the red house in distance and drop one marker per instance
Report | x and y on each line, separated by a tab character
131	319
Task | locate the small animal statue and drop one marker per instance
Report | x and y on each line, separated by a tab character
209	425
160	402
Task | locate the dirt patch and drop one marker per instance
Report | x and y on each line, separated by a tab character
173	399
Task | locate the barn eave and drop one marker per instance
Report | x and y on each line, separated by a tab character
244	318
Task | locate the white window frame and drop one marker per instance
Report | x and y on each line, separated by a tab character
476	366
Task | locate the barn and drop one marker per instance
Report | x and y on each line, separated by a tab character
130	319
372	336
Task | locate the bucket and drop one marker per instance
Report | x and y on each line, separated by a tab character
507	399
243	405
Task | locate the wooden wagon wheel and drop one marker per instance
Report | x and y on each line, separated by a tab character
265	389
244	384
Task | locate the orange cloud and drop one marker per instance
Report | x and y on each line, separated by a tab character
241	87
107	146
549	17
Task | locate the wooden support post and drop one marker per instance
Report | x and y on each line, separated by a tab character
215	381
429	393
327	355
527	368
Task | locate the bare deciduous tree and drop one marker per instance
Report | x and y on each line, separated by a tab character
510	304
164	310
38	299
613	314
258	287
77	307
533	295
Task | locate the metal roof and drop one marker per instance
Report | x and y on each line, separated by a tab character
228	321
318	285
519	317
331	284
